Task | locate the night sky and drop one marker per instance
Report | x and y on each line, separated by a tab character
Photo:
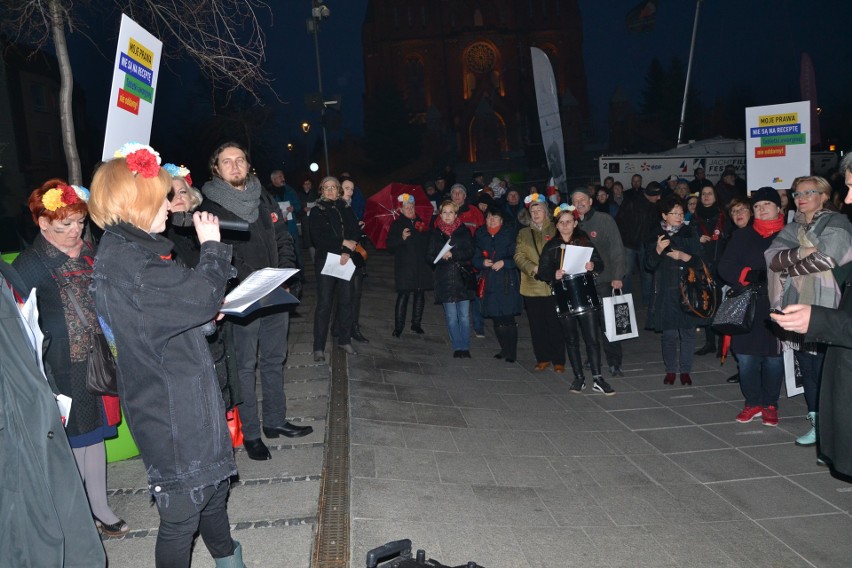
756	44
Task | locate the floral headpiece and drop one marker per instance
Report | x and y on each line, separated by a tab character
63	195
141	159
405	198
178	171
695	195
533	198
565	207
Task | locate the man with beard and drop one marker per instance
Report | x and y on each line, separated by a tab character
604	234
260	338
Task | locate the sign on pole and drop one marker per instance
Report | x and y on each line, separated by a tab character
778	145
134	86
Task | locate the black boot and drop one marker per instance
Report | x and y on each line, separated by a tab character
709	344
399	314
510	353
500	332
417	313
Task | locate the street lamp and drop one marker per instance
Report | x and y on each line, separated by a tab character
319	11
306	127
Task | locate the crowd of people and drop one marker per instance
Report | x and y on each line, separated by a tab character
152	288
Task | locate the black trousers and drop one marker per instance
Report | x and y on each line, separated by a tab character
205	511
330	289
546	332
612	350
588	325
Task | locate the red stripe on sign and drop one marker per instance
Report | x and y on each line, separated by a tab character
128	101
770	151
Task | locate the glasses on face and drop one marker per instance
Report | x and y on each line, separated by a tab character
739	211
807	194
330	187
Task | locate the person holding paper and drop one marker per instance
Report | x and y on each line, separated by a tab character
166	379
284	194
332	232
234	193
454	281
59	267
554	259
673	246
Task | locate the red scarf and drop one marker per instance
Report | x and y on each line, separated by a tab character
768	228
447	229
494	230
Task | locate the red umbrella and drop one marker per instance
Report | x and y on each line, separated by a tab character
383	208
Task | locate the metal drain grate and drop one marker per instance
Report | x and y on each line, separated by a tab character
331	549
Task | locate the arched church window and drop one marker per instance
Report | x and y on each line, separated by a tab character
477	18
481	63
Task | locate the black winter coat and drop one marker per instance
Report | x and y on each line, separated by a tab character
166	380
502	287
37	266
834	327
745	254
451	284
637	219
665	311
328	227
411	270
551	255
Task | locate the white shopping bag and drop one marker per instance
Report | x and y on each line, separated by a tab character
620	317
794	384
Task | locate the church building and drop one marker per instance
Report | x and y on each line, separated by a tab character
464	69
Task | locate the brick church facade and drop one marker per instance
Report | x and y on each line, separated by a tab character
464	69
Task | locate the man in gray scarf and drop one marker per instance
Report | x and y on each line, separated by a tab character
260	338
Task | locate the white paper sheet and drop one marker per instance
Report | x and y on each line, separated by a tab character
64	404
446	248
29	313
258	284
333	267
285	205
575	258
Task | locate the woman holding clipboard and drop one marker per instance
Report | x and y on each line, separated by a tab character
576	299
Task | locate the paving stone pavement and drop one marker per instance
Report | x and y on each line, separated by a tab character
478	459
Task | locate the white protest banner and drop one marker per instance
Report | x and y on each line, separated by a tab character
134	85
778	144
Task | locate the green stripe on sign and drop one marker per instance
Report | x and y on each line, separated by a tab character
138	88
784	140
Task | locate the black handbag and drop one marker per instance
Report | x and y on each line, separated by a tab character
735	315
698	294
100	363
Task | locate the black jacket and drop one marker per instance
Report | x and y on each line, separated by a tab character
637	219
166	380
411	270
551	255
329	226
267	244
452	277
665	311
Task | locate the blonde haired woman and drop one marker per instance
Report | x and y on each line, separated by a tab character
166	378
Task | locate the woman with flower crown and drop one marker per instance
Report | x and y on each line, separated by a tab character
407	239
166	378
59	267
573	325
548	344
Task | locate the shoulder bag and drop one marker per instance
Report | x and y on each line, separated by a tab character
735	315
698	291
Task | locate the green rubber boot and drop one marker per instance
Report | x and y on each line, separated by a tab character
809	439
233	561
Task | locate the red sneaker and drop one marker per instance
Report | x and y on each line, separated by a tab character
749	413
770	416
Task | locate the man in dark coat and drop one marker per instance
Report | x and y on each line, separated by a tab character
637	220
261	338
46	517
